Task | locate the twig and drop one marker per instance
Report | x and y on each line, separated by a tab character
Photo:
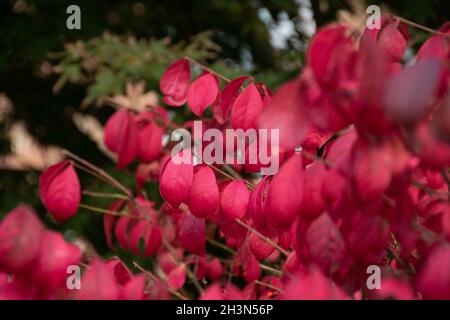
108	212
104	195
270	269
100	171
207	69
264	238
424	28
441	194
190	274
157	279
229	250
270	286
221	245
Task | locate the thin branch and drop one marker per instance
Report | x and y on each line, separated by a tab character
231	251
104	195
263	237
208	69
272	270
190	274
270	286
438	193
157	279
108	212
220	245
100	171
422	27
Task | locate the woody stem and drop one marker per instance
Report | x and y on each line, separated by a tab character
207	69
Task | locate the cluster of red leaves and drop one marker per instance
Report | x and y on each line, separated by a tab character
35	264
364	180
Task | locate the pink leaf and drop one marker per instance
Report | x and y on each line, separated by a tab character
55	255
175	81
246	108
285	193
146	234
202	93
284	112
135	288
109	221
323	52
321	242
204	197
98	283
177	277
59	189
176	182
234	200
192	234
20	237
121	136
150	137
229	94
412	92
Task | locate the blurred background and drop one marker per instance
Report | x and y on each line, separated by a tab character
54	81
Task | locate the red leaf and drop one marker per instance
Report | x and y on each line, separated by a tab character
192	234
246	108
229	94
313	204
285	193
176	181
202	93
20	237
98	283
321	242
174	83
372	169
150	137
121	273
149	235
59	189
121	136
177	277
312	285
433	280
412	92
234	200
216	292
260	248
215	269
284	112
251	270
323	52
204	197
135	288
393	38
110	220
436	46
55	255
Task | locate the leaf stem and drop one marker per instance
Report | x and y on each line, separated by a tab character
104	195
263	237
190	274
99	171
207	69
157	279
108	212
422	27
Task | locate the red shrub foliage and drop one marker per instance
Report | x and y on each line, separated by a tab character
363	180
